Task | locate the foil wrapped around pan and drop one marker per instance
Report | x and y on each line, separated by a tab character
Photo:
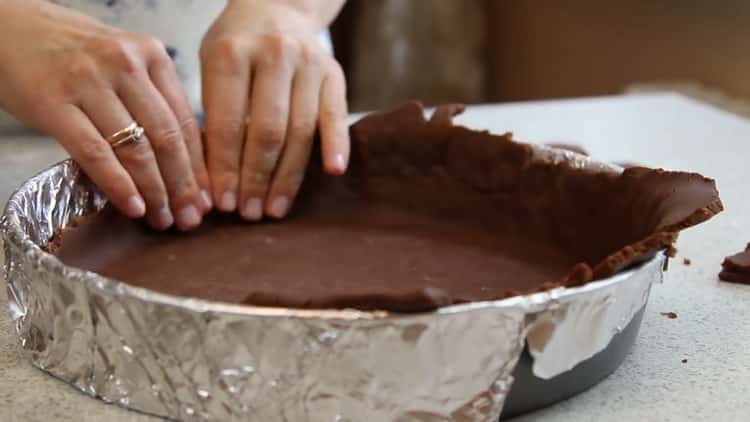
190	359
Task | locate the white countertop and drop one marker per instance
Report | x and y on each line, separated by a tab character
712	330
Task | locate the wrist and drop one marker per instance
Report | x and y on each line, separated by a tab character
285	14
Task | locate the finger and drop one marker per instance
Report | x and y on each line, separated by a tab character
151	111
109	115
75	132
226	76
299	142
334	130
266	134
167	81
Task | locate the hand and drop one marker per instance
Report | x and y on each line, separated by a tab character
262	64
80	82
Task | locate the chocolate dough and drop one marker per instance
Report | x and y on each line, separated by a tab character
429	214
736	268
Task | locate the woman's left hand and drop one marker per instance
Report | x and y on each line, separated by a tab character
267	86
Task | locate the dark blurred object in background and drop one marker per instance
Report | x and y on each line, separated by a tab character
394	50
491	50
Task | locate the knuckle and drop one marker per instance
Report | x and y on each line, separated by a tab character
184	190
224	54
66	92
333	67
281	48
201	175
331	114
224	166
137	155
153	46
269	137
301	132
188	124
93	150
254	181
310	56
219	131
181	192
81	69
335	77
49	104
167	140
60	98
288	182
121	53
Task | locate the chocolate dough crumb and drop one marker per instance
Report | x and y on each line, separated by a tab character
736	268
687	261
684	361
670	315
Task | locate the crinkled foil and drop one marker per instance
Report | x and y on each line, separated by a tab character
196	360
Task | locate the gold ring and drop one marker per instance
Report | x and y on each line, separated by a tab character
131	134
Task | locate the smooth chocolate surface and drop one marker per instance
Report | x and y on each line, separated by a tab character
736	268
317	259
429	214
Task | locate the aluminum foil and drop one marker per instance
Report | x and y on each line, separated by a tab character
190	359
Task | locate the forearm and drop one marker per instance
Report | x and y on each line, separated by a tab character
322	12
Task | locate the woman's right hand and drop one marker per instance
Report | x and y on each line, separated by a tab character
80	81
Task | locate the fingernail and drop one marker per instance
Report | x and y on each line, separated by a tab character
253	209
206	198
279	207
228	202
164	217
135	207
189	217
340	162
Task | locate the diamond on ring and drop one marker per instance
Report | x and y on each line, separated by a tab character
131	134
138	133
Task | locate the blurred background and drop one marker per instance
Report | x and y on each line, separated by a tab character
477	51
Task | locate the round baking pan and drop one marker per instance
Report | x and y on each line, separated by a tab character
530	392
188	359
